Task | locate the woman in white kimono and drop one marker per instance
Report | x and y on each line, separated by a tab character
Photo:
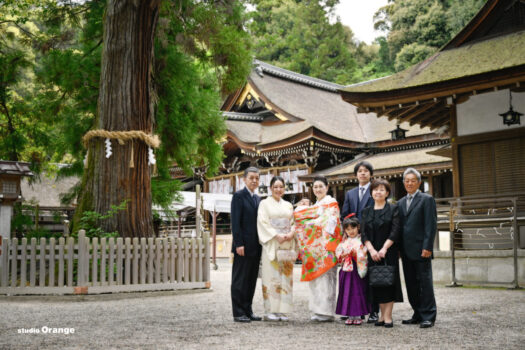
319	233
274	220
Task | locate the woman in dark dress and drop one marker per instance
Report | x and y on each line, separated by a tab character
380	232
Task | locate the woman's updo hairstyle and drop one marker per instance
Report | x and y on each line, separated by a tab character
320	178
275	179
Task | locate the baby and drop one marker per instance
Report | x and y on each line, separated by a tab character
302	204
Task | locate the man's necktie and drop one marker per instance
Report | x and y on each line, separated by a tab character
409	200
254	200
361	193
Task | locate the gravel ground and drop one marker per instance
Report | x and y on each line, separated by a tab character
468	318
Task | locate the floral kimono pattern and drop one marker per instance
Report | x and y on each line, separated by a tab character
353	249
318	233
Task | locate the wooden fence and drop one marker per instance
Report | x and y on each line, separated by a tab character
92	266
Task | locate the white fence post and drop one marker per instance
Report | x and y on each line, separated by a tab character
14	262
23	263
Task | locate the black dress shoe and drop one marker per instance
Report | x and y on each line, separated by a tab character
410	321
389	324
372	318
426	324
254	317
379	323
243	318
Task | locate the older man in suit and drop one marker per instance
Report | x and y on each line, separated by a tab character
419	226
356	200
245	247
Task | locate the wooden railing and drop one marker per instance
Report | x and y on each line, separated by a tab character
485	224
91	266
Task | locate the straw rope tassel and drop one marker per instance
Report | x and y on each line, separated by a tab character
131	163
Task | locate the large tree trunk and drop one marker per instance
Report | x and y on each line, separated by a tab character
125	103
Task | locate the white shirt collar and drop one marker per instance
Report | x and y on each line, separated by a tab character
365	186
252	193
415	193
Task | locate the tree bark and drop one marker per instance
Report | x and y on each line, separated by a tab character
125	103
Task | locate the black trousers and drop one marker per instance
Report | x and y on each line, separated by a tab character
420	288
245	270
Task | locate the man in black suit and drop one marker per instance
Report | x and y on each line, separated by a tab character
356	200
245	247
419	226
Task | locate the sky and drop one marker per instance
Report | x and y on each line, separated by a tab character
358	15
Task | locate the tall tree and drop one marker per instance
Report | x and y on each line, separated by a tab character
415	29
125	103
201	52
299	35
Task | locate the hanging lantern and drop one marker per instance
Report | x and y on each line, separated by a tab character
511	116
398	133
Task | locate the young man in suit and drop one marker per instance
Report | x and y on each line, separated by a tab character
419	225
245	247
358	199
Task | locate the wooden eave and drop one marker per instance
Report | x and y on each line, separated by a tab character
309	134
242	145
380	173
428	105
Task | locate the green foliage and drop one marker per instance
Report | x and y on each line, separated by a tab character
50	56
411	54
418	28
297	35
90	222
22	223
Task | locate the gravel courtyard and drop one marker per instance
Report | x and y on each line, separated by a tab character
468	318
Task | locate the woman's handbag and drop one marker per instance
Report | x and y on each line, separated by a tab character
381	275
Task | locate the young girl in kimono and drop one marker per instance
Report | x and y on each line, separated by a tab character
352	301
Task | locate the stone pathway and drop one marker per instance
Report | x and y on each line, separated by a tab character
468	318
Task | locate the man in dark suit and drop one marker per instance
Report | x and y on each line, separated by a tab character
356	200
359	197
419	226
245	247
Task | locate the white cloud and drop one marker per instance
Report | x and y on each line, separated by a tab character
358	15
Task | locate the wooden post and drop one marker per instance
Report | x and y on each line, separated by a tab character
127	266
70	256
23	263
135	278
151	270
42	275
207	258
5	261
214	231
111	261
32	263
14	262
61	243
119	260
81	258
158	267
103	264
143	245
180	266
165	260
94	262
172	260
198	210
51	262
186	260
